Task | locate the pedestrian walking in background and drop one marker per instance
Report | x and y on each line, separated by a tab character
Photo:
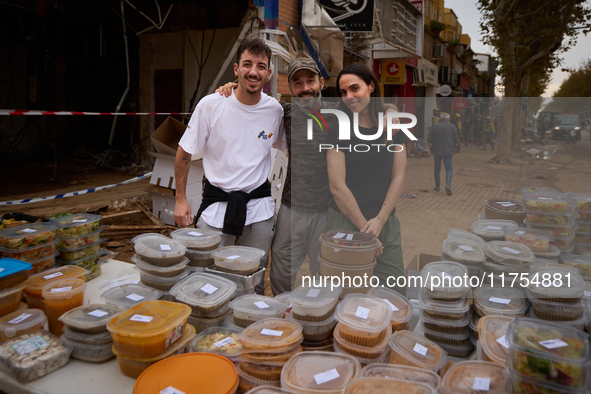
443	139
457	122
489	130
466	130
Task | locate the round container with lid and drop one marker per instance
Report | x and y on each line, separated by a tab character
319	372
462	251
241	260
445	280
77	225
492	230
413	350
197	238
581	263
207	294
401	308
402	372
165	272
509	253
314	304
60	297
218	340
158	250
443	310
551	202
129	295
348	247
536	240
500	301
159	282
90	319
21	322
189	373
13	272
376	385
316	330
250	308
271	334
562	284
474	376
35	283
504	209
364	319
463	234
492	331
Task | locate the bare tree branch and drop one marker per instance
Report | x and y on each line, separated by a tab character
533	12
511	10
499	9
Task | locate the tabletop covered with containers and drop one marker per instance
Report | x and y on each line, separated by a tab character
506	310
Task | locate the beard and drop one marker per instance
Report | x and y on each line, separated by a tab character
313	101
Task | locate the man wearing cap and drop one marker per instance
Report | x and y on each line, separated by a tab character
444	138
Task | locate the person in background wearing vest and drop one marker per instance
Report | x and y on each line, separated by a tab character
444	138
456	121
489	130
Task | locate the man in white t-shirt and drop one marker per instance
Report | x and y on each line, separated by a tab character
236	136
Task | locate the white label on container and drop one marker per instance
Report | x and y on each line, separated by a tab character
61	289
47	277
30	345
553	344
141	318
493	228
165	247
224	342
503	342
466	248
482	384
135	297
500	300
511	250
209	289
362	312
545	198
98	313
233	257
80	221
272	333
261	304
171	390
587	293
28	230
313	293
20	318
349	237
339	235
520	232
392	306
420	349
327	376
506	204
195	234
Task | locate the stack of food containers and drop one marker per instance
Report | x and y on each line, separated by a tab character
208	296
129	295
445	300
251	308
85	332
492	339
583	231
266	346
408	348
537	240
200	243
500	301
547	357
319	372
504	209
402	372
241	265
34	285
375	385
474	377
13	274
219	340
506	259
466	252
581	263
160	260
348	253
149	332
364	328
314	308
492	230
401	307
34	243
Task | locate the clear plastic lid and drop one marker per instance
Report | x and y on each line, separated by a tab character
504	205
402	372
38	281
492	228
401	308
510	253
156	318
474	377
583	200
492	334
83	247
76	220
500	301
463	234
21	320
570	224
314	297
456	307
553	202
28	235
271	334
61	237
90	316
582	263
219	340
196	237
418	350
237	257
258	304
364	312
529	233
130	295
157	246
463	251
24	250
564	282
445	279
203	290
12	266
375	385
348	240
63	288
137	259
553	251
317	372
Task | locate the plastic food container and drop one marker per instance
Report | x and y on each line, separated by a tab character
32	253
133	367
441	277
149	328
565	230
319	372
456	339
208	295
500	301
561	219
203	323
580	238
248	382
509	253
551	202
549	352
242	260
462	251
21	357
13	272
20	323
228	322
271	334
443	310
200	258
554	291
348	247
413	350
557	311
35	283
552	254
401	308
446	326
492	334
519	384
60	297
316	330
96	354
402	372
462	351
368	352
492	230
376	385
158	250
27	236
42	264
10	298
219	340
77	225
364	319
103	338
328	268
314	304
462	234
129	295
197	238
508	270
582	263
536	240
474	376
80	252
583	201
66	243
583	227
90	319
504	209
92	264
164	272
190	373
250	308
583	248
159	282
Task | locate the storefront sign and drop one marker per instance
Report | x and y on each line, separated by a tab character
351	16
444	90
418	5
430	71
412	62
460	103
464	82
393	72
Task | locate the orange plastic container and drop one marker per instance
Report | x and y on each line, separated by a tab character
195	373
35	283
61	296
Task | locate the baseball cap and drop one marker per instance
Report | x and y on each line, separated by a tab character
302	63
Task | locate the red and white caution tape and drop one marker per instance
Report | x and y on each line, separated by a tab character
69	113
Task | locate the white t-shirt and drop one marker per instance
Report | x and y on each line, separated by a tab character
236	140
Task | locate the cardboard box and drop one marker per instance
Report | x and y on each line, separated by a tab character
163	173
163	202
277	178
166	138
414	269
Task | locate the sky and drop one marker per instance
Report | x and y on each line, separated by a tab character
469	17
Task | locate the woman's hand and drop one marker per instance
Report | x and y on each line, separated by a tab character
373	227
226	90
379	250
